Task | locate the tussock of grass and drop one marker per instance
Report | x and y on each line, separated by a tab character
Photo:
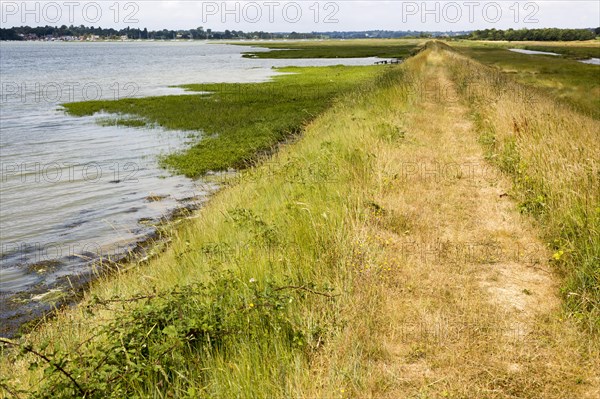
122	121
238	121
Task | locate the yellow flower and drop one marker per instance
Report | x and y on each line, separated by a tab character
558	255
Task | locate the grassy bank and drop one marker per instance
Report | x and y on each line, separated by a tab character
237	121
392	48
343	266
245	295
551	153
572	82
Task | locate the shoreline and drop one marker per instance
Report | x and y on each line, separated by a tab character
42	299
47	300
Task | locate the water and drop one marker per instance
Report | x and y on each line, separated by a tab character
72	190
523	51
592	61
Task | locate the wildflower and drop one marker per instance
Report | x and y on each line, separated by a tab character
252	280
558	255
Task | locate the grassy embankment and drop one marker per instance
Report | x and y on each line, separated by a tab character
392	48
573	82
552	156
296	281
245	293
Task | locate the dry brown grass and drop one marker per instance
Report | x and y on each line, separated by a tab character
551	153
454	294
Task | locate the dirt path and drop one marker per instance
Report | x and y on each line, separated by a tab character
471	304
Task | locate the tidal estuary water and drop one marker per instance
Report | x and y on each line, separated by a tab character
72	190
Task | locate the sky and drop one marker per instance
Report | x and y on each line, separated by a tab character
304	15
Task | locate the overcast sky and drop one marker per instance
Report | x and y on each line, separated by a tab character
305	16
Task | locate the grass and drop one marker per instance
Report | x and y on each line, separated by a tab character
575	83
238	121
122	121
333	269
576	53
241	299
574	50
551	153
335	49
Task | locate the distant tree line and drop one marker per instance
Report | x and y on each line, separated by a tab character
41	32
45	32
547	34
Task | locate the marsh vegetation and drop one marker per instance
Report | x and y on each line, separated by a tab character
237	121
